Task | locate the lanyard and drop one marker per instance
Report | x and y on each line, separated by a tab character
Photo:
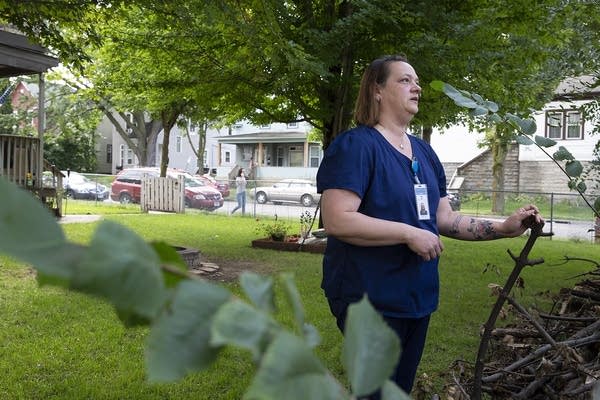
415	169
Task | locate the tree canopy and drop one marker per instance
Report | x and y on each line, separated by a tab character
283	61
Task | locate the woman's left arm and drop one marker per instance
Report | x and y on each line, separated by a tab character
458	226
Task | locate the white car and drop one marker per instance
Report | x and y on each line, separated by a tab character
287	191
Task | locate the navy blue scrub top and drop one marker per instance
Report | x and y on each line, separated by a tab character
397	281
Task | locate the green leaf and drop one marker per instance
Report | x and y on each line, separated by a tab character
478	111
477	98
524	140
495	118
239	324
259	290
562	154
573	168
370	350
311	335
462	98
122	268
290	371
544	141
391	391
179	340
29	232
437	85
527	126
581	187
168	255
491	106
293	297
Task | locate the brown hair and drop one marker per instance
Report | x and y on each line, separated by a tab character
366	110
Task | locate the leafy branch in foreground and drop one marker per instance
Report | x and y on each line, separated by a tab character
191	320
525	128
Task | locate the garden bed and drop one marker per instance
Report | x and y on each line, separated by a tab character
311	245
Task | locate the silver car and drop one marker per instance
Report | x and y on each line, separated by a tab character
287	191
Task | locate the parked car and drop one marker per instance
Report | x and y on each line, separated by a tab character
127	187
78	186
287	191
220	186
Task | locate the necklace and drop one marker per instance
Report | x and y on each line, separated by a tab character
400	144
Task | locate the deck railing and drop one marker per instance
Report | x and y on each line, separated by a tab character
21	163
20	160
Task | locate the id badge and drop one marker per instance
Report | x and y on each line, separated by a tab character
422	201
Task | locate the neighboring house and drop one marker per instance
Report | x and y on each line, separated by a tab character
272	151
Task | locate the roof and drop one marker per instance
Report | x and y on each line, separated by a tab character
581	87
265	137
19	56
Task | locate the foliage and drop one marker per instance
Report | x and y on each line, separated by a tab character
525	130
70	138
306	221
191	320
276	230
287	61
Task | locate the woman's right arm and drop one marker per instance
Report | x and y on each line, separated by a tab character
339	211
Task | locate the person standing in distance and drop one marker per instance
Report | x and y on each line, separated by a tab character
384	206
240	190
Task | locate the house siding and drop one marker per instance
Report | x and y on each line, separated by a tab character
478	172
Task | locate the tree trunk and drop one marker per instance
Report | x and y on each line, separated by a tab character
168	118
499	149
426	133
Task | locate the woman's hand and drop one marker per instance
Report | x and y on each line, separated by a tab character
521	220
426	244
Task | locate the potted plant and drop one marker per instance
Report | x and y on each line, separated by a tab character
276	230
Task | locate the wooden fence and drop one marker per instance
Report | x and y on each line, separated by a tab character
162	194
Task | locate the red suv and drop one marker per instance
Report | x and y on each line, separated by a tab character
126	188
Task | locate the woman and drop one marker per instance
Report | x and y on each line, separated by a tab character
240	187
384	207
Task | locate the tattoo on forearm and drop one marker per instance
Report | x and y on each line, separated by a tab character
454	230
482	229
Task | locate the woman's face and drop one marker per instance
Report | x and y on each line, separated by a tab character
399	95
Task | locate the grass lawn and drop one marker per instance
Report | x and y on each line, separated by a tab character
56	344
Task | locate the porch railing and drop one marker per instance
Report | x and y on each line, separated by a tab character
21	163
20	160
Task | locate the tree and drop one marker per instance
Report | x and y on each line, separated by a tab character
70	135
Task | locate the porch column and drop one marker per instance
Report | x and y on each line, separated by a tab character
41	128
305	161
260	157
219	154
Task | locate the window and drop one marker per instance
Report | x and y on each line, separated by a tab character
227	157
109	153
296	156
178	144
564	124
314	154
292	125
265	126
129	157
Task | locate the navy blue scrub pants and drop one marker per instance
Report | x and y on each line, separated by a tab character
412	333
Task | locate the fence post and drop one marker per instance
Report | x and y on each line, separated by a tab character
551	213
